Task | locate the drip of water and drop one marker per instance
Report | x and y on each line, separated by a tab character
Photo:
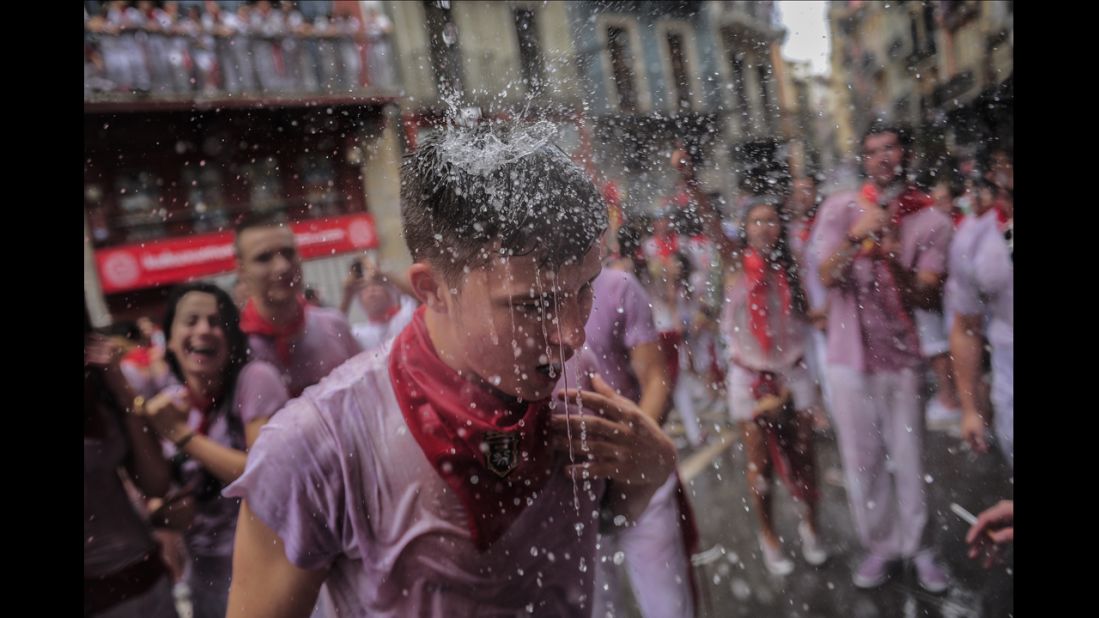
561	356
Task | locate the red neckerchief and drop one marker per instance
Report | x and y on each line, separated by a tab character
611	194
139	357
485	448
1001	213
911	201
667	245
681	199
958	216
252	323
205	405
755	271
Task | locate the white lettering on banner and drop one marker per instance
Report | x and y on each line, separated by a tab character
169	259
319	238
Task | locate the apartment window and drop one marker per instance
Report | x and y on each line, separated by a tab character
621	57
677	55
763	72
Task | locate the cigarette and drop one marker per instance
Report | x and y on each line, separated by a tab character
960	511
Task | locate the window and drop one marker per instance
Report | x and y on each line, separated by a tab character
763	72
204	197
264	184
677	55
618	46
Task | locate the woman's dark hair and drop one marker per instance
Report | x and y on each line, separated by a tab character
230	323
209	486
782	254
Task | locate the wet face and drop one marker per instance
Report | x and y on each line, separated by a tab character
882	157
198	339
804	193
269	265
986	198
376	298
943	200
514	324
1001	170
681	161
763	228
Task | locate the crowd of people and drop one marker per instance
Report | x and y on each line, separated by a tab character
174	49
489	440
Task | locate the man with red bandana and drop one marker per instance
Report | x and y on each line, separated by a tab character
304	341
450	474
882	254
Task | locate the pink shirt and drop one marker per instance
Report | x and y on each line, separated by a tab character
868	328
339	477
324	343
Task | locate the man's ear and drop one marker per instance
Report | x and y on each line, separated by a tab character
429	286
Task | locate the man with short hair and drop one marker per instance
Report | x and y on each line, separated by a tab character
304	341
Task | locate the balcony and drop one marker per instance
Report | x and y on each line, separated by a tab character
172	60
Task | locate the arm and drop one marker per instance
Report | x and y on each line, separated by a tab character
167	413
289	529
399	279
648	365
351	287
147	467
646	360
265	582
922	289
146	464
836	265
922	284
965	348
834	269
225	463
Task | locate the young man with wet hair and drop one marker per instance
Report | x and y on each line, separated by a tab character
449	474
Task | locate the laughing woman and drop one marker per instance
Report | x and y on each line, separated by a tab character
211	419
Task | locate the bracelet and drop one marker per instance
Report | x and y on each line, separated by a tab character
182	442
138	406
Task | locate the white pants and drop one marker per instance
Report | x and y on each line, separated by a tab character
880	426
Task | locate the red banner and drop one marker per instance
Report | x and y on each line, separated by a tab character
172	260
